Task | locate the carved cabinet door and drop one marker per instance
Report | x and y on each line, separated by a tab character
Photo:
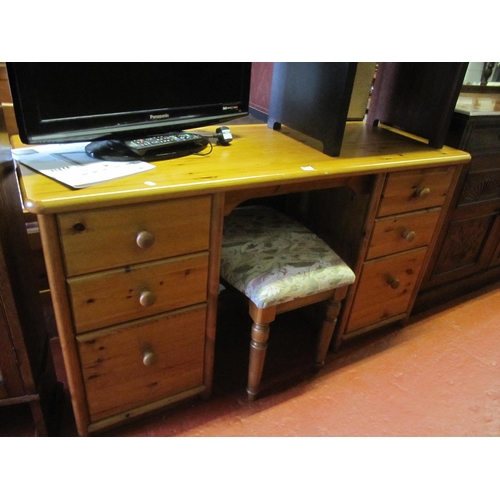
495	258
473	229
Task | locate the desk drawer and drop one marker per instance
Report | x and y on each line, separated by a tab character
95	240
415	190
402	232
142	362
379	296
128	293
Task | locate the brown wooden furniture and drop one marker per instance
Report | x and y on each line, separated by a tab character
6	101
467	254
136	277
27	373
4	84
407	216
312	98
136	314
38	269
417	97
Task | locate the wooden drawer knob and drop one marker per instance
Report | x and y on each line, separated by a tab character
408	235
422	192
149	357
145	239
394	282
147	298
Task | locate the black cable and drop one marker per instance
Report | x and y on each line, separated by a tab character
205	154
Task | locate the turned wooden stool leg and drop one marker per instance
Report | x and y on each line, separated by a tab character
332	307
340	294
258	348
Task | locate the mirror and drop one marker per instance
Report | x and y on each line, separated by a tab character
482	77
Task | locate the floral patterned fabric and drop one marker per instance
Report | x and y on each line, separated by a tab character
273	259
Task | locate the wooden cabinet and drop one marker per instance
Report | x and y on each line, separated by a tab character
408	212
467	252
131	294
27	374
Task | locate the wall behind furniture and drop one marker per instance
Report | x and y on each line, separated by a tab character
260	89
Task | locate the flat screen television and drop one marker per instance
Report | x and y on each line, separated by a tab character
111	104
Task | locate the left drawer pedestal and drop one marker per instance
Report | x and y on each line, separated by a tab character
131	310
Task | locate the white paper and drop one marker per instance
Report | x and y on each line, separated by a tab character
70	164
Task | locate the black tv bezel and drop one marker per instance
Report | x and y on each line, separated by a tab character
33	130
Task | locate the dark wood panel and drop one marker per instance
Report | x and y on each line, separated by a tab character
26	367
468	251
462	247
418	97
484	137
480	187
495	259
313	98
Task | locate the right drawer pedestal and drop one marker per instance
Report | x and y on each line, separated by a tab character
408	215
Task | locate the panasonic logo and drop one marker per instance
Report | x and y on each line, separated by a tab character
159	117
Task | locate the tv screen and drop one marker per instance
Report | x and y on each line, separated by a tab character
112	103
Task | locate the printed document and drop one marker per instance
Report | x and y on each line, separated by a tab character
70	164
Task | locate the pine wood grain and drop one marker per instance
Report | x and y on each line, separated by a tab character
100	239
389	232
258	156
375	299
114	296
113	366
415	190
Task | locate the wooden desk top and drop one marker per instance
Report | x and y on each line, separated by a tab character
257	157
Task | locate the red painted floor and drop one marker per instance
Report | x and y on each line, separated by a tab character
438	376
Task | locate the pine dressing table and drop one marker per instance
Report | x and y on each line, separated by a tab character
133	263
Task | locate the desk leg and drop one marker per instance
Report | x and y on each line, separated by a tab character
216	226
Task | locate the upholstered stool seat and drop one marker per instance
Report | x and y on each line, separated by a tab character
280	265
